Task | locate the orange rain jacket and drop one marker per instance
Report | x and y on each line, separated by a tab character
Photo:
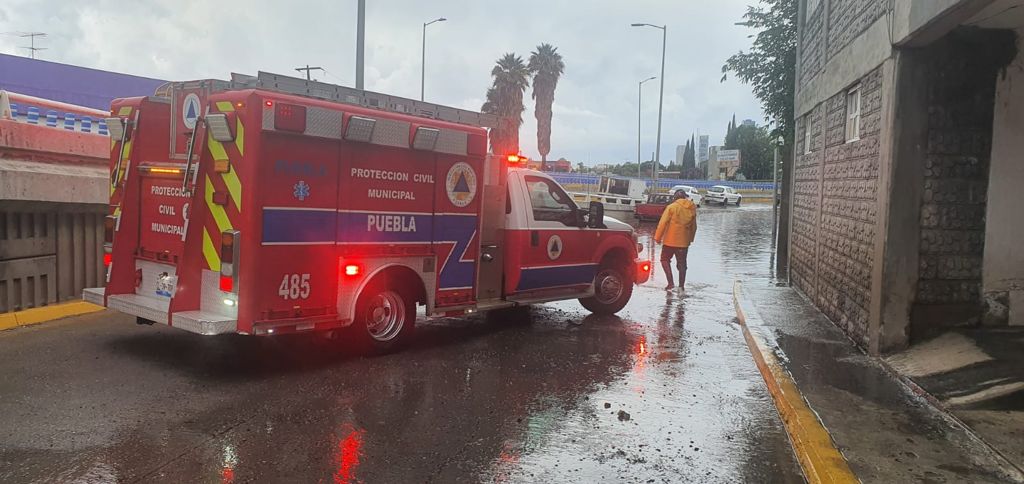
678	225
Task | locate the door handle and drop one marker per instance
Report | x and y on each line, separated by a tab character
534	238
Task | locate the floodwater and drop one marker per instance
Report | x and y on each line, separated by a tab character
664	392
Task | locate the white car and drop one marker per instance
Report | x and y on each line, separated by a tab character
694	195
723	195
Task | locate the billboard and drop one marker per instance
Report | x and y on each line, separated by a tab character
702	148
728	156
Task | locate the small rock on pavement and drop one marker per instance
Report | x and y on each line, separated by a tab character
607	405
623	415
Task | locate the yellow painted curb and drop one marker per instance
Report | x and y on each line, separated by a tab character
819	458
46	313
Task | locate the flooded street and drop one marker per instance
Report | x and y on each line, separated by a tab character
665	392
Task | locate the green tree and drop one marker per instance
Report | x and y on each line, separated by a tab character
770	64
756	152
547	67
690	155
505	100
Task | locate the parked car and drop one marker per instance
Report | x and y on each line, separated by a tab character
695	195
723	195
653	207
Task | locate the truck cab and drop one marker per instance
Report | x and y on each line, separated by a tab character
340	211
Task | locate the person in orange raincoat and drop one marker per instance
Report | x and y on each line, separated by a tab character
676	230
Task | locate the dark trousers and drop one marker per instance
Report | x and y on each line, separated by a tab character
667	252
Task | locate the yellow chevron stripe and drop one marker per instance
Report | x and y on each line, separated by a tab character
216	148
219	216
210	252
225	106
234	187
124	111
124	163
239	136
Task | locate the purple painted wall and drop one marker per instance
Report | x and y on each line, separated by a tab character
71	84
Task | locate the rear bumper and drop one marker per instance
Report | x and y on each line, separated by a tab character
156	310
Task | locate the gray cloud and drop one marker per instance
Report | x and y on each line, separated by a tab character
595	104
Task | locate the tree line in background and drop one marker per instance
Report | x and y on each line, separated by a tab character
505	97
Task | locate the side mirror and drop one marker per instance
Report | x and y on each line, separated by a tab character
595	215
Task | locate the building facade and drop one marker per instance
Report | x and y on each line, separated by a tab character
907	167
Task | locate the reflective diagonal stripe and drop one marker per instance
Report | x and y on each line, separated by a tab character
216	147
234	187
225	106
124	111
210	252
217	211
239	136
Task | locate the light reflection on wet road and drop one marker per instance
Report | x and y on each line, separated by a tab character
664	393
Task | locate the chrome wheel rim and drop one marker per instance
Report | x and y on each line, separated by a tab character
609	287
386	316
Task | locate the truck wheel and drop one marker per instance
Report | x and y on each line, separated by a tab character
612	290
385	319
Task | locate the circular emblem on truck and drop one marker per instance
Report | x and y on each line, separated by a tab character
461	184
190	111
554	247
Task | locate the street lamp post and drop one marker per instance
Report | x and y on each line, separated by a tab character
661	98
423	60
639	109
775	189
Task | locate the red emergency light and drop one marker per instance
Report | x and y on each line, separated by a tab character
108	258
227	283
352	270
515	159
290	117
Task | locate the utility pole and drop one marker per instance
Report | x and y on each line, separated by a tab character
639	111
775	190
32	39
307	69
360	42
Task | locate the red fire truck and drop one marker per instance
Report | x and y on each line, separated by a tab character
269	204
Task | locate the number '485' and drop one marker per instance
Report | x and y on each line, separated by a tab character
294	286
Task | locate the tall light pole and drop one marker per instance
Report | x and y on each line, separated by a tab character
775	189
423	60
661	98
360	41
639	109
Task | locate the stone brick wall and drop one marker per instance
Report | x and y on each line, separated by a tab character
835	213
960	108
812	51
847	19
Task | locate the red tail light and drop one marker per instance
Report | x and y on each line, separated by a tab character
107	259
227	283
646	267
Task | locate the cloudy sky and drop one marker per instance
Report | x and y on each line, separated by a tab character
595	112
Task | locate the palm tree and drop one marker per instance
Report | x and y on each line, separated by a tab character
505	100
547	66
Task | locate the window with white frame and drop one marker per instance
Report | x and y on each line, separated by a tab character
853	114
807	134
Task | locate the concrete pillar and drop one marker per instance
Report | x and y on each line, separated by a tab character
1003	263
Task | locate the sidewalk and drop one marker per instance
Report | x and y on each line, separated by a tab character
886	431
978	375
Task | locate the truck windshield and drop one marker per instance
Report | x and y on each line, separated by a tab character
548	201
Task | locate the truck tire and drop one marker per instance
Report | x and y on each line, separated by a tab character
385	319
612	290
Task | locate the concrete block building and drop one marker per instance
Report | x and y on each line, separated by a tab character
907	186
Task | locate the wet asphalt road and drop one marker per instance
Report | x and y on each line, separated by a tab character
666	392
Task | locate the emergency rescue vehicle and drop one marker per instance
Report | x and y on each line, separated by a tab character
269	204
